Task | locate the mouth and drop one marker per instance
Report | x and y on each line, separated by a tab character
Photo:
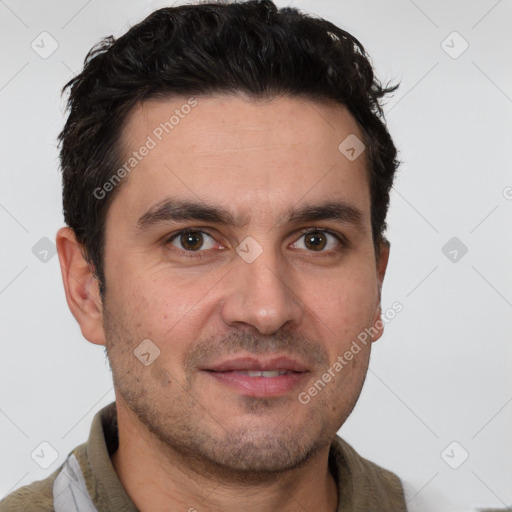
259	377
263	373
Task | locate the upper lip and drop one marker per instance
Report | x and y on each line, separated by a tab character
251	363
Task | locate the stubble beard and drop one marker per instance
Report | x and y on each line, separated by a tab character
176	419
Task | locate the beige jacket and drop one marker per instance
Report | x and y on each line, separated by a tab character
87	481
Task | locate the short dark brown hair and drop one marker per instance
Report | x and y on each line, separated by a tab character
206	49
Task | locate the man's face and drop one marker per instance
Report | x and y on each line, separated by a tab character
238	296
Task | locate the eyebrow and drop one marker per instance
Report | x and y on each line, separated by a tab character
172	209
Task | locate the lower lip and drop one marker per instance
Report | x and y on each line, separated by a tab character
262	387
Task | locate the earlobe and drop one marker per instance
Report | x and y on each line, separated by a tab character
81	287
382	263
377	329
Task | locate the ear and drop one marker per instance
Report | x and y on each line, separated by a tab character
381	264
81	287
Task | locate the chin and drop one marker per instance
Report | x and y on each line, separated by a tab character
262	459
268	450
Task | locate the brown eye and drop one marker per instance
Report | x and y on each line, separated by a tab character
192	241
319	240
315	241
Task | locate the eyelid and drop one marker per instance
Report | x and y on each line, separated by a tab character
336	234
343	241
184	231
200	253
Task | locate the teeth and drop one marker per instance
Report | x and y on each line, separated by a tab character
264	373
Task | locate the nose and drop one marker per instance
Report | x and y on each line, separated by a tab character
262	295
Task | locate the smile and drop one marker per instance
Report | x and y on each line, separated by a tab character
263	373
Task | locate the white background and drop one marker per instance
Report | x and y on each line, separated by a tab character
442	371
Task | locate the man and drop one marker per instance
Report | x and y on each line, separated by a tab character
226	177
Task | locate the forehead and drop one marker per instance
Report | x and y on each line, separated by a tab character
257	156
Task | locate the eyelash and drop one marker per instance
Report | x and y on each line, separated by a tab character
200	253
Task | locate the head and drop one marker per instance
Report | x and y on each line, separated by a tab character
226	120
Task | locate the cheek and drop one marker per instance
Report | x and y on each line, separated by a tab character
346	302
169	310
158	298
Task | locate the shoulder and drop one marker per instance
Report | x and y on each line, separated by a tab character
367	480
38	496
25	498
364	468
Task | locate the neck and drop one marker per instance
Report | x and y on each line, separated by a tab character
156	477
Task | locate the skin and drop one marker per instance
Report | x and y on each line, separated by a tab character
186	439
